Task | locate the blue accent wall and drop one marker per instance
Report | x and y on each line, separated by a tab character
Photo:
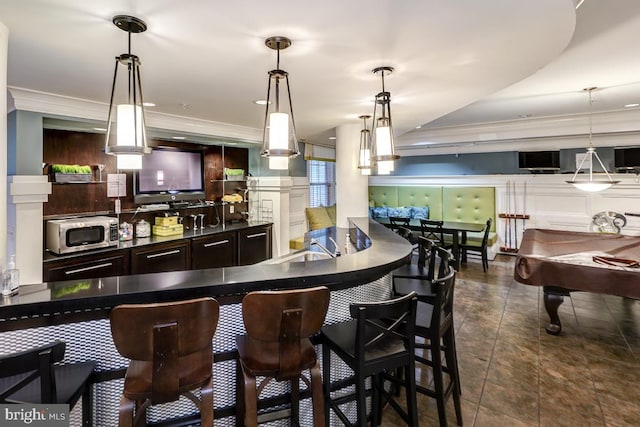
497	163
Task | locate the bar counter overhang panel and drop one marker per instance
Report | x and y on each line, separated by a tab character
52	311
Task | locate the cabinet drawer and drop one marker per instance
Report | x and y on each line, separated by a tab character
214	251
254	245
162	257
87	267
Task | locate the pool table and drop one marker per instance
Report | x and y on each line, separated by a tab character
566	261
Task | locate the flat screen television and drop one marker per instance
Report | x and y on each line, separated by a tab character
627	158
539	160
170	175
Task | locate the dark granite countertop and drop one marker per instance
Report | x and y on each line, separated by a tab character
378	252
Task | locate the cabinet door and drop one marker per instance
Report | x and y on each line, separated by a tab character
161	257
254	245
218	250
87	266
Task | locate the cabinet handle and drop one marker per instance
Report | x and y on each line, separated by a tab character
221	242
177	251
251	236
93	267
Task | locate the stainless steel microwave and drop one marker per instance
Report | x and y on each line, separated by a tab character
81	234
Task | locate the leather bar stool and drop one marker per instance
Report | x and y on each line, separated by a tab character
378	341
277	346
434	326
171	354
36	376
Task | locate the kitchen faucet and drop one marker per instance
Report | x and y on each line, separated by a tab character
324	249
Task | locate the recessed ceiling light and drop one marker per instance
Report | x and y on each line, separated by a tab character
419	127
332	137
261	102
631	105
100	129
179	137
148	104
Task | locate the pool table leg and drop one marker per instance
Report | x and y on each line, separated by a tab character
552	301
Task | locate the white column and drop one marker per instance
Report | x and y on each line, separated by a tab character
269	201
27	194
351	187
4	45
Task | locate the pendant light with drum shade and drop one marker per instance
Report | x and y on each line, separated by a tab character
591	184
364	152
383	146
127	122
279	134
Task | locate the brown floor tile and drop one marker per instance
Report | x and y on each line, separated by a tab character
490	418
510	399
619	413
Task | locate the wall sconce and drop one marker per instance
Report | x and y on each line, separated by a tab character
279	133
130	143
591	184
383	146
364	152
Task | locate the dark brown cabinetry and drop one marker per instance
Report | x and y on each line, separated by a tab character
218	250
254	245
173	256
225	249
114	263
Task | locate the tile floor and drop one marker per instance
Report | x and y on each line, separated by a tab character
515	374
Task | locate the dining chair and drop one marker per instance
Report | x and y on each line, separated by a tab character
36	376
433	230
479	247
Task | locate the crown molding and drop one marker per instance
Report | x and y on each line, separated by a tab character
570	131
76	108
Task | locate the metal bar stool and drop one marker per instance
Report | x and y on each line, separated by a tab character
379	340
34	376
171	351
277	346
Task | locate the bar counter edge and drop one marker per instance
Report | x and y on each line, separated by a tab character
379	252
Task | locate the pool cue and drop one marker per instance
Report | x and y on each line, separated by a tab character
508	231
524	206
515	215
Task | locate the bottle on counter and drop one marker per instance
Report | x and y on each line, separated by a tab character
346	244
11	278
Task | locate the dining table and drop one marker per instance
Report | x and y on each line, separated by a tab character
456	229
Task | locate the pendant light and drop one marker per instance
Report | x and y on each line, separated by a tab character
364	153
279	133
383	146
591	184
128	123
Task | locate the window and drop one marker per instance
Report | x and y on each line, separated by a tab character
321	183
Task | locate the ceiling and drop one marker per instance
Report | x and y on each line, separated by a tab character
456	63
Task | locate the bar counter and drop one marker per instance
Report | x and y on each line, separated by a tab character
77	311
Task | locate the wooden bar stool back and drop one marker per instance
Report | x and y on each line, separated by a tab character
171	354
277	346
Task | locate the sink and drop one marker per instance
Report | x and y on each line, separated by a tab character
299	257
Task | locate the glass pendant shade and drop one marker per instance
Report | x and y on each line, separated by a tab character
126	136
592	184
279	134
364	151
383	145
